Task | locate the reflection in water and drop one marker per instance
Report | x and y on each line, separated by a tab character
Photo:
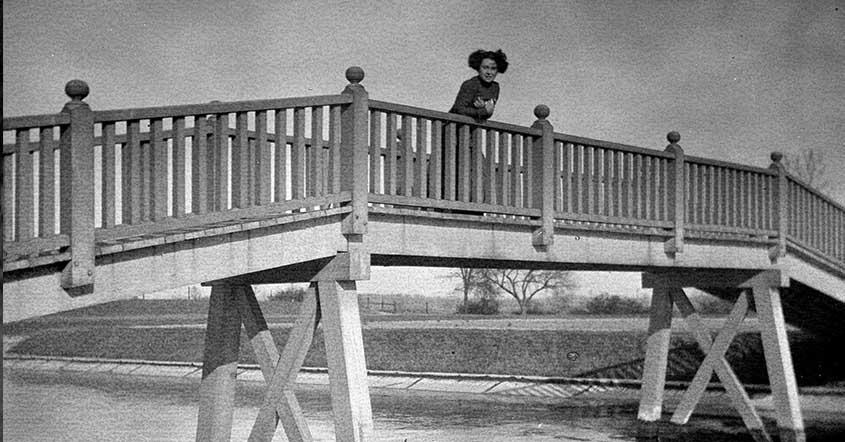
40	406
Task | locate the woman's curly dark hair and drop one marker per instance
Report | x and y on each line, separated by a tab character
499	57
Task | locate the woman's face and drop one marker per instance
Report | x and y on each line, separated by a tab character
488	70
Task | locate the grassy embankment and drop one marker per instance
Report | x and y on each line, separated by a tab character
106	331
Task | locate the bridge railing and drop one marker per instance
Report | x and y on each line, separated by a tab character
425	158
81	174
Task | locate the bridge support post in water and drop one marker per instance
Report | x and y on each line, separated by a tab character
764	286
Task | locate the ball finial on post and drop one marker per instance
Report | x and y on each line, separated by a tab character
541	111
673	137
77	90
776	157
355	74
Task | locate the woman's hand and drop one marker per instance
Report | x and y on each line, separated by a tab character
489	106
478	103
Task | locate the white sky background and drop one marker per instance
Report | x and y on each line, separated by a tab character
738	80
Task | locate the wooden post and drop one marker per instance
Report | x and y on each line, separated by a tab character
353	154
778	361
77	187
781	206
220	366
543	161
345	356
676	191
656	356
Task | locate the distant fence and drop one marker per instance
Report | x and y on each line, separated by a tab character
81	176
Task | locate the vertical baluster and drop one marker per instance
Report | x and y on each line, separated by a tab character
577	179
179	173
589	179
758	213
566	177
503	190
315	164
297	160
477	158
436	161
281	146
710	205
390	132
628	185
648	198
108	193
265	170
600	157
609	182
158	172
464	163
619	176
558	173
638	186
516	166
199	167
664	190
450	161
47	183
490	194
132	173
375	153
146	179
334	143
221	167
8	198
695	193
25	189
240	162
407	156
421	177
527	171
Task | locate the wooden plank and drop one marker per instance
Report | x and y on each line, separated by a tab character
464	142
587	180
390	163
407	157
578	179
619	172
47	184
298	159
376	185
528	172
490	194
516	167
421	173
663	213
8	198
648	189
132	169
279	403
220	365
35	121
146	181
222	164
399	200
477	168
158	175
240	163
334	146
107	195
264	173
450	162
656	356
503	171
436	160
199	167
346	362
608	177
449	117
179	172
730	381
315	166
24	188
281	166
627	186
217	108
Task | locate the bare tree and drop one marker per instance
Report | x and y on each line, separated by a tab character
523	285
809	165
471	279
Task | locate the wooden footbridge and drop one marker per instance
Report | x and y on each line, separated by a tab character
105	205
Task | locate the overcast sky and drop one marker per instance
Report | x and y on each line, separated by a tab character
736	79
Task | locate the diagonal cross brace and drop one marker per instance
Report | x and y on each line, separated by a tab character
280	371
715	361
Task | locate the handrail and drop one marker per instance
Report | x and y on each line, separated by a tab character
582	141
34	121
217	108
446	116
